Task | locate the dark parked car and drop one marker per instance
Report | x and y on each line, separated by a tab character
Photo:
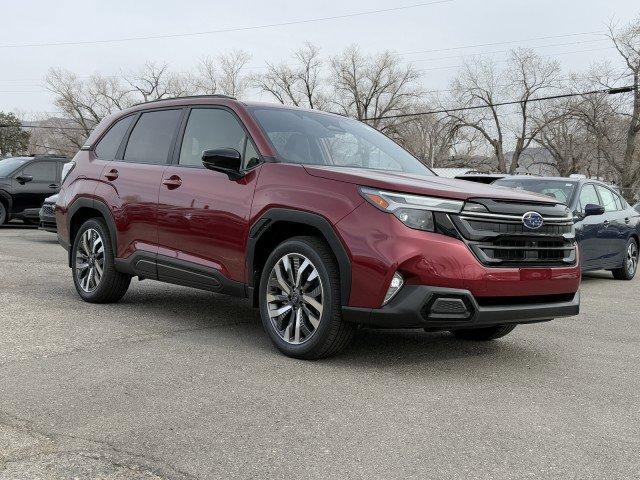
320	220
607	228
47	215
24	184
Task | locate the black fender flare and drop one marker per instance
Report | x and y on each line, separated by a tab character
315	220
8	201
84	202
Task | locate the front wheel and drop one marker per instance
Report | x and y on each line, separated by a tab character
483	334
93	266
628	270
300	300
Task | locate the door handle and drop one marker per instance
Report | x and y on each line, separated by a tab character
172	182
606	223
627	220
53	185
112	174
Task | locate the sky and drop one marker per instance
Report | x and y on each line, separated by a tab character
439	28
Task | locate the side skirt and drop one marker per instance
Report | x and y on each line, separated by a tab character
179	272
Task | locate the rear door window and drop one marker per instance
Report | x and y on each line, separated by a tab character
108	146
151	138
608	200
588	195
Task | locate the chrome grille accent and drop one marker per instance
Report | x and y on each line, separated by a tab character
502	240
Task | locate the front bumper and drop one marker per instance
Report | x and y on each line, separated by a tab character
47	222
420	306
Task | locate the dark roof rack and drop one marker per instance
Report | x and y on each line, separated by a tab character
217	95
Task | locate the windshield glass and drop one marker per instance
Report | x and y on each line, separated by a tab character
10	165
321	139
561	190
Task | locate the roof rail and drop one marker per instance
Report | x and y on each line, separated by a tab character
216	95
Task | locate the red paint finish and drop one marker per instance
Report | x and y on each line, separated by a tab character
200	216
380	244
205	220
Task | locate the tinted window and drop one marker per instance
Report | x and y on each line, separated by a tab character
209	128
108	146
608	200
151	137
10	165
42	171
588	195
251	156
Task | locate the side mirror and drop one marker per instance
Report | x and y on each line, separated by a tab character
224	160
593	209
22	179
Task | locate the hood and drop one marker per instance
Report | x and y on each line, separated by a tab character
423	185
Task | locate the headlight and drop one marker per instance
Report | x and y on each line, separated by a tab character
415	211
66	170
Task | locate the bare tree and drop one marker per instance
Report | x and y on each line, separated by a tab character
370	87
232	80
301	84
155	82
480	85
626	40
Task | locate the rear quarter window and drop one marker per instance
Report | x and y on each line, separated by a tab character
108	146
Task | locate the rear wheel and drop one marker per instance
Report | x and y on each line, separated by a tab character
300	300
628	270
483	334
92	262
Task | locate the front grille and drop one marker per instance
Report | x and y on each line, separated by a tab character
515	228
499	238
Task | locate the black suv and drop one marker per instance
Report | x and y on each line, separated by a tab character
24	184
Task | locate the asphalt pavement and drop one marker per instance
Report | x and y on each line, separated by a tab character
182	384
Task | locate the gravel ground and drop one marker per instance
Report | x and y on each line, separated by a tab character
179	384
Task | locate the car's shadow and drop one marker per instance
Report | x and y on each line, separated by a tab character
193	309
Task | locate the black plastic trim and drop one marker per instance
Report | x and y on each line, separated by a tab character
274	215
179	272
84	202
407	308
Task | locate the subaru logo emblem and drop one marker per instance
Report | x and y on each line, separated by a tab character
532	220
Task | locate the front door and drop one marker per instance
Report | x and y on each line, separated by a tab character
587	228
203	216
30	195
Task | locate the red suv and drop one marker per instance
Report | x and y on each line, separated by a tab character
323	222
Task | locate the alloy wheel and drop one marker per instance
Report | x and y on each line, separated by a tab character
294	298
90	260
632	258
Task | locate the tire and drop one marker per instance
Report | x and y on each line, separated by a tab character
302	330
483	334
4	215
630	266
111	285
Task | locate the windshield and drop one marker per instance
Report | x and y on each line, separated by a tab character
320	139
561	190
10	165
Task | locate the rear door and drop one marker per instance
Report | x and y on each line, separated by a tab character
133	179
203	215
587	228
28	197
